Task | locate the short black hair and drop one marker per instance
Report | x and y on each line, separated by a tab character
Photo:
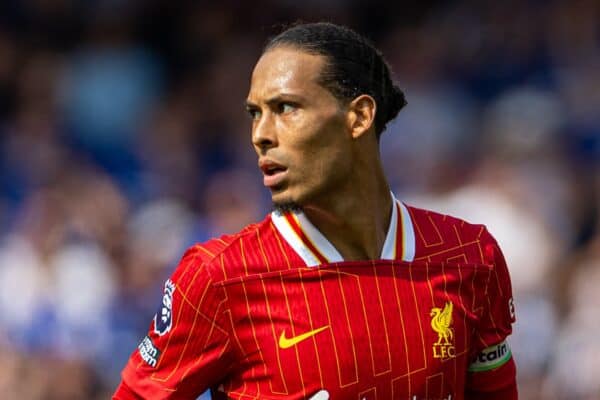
354	66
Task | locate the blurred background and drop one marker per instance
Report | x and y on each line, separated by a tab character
124	139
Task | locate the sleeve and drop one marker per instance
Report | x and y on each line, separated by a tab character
187	349
123	392
492	372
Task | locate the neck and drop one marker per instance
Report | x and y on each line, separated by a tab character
356	218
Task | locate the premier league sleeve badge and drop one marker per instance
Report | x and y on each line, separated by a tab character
163	317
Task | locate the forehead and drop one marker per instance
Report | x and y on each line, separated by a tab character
285	70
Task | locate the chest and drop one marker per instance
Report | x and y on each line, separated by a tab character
358	331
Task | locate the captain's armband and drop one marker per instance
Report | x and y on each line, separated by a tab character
491	358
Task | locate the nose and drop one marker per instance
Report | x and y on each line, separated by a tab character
264	135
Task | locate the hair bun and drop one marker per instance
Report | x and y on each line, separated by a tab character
397	101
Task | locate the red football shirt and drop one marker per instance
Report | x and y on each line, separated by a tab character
274	312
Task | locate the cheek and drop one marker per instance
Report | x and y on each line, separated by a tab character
327	156
319	131
316	143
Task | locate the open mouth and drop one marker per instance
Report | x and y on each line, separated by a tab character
273	173
273	170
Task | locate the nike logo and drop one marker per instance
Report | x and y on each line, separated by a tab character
286	343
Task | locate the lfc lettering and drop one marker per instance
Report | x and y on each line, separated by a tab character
443	351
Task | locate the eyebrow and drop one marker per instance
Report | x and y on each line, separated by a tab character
250	105
277	99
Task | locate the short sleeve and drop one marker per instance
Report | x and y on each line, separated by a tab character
499	316
492	366
187	348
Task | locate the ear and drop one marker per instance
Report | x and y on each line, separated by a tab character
361	115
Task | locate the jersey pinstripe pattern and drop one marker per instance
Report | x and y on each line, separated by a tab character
369	323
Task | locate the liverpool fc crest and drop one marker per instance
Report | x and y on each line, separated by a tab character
441	321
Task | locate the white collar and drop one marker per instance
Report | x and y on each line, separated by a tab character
314	248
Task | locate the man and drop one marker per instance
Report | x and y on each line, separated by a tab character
342	292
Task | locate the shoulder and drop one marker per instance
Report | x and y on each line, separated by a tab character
429	222
229	256
449	238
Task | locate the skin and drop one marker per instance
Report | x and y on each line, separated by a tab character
328	147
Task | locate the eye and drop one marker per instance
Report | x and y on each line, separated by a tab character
254	113
285	108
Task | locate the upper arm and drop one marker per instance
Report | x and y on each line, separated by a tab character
187	348
492	368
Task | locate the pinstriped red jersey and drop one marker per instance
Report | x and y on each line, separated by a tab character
274	312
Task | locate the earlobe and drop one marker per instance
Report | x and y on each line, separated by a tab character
361	115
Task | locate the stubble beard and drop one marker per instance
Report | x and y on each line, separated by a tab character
286	207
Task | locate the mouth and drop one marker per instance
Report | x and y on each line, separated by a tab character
273	173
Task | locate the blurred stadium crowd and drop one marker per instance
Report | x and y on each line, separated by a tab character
123	140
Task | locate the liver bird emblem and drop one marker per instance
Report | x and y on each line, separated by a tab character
441	321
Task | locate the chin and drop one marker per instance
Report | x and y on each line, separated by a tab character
283	202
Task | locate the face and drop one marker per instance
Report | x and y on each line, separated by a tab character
299	129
